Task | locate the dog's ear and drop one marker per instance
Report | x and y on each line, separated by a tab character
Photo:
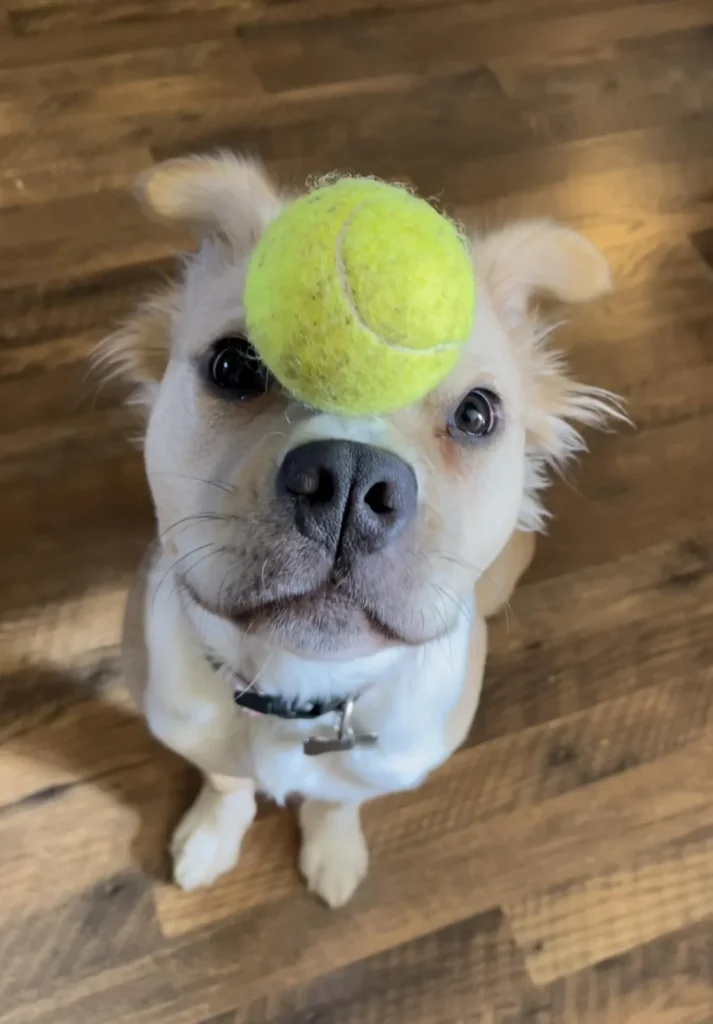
517	264
539	257
137	352
224	194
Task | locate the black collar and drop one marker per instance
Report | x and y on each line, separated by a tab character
270	704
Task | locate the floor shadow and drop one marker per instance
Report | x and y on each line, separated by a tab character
73	725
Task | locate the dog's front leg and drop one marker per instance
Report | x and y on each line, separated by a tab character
334	857
207	840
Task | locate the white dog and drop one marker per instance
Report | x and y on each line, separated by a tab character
311	620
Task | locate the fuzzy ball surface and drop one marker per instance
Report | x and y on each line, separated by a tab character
359	297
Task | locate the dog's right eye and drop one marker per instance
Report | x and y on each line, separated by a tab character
236	367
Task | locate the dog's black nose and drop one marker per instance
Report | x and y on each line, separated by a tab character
350	498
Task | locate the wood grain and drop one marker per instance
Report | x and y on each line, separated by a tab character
565	930
558	868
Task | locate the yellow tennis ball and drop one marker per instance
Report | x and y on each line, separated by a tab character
359	297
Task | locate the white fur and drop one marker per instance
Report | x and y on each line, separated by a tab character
209	464
207	841
408	696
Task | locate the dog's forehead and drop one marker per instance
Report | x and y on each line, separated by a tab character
211	302
211	306
489	358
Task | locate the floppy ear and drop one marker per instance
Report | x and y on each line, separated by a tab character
539	257
225	194
515	265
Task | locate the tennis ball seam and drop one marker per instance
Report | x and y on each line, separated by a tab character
348	295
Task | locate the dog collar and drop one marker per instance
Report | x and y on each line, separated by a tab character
268	704
345	738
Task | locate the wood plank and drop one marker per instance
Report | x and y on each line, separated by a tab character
298	55
391	120
471	971
493	175
185	95
564	930
51	310
77	726
607	508
448	882
65	78
660	200
67	393
110	923
79	536
67	239
668	981
65	632
18	50
29	360
702	241
21	186
30	17
62	840
644	67
571	641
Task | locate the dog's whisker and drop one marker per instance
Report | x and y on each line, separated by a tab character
256	678
203	558
471	566
221	588
174	565
273	433
242	690
457	602
456	560
228	488
197	518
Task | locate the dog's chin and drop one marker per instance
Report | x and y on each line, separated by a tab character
322	624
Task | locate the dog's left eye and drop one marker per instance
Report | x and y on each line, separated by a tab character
476	417
235	366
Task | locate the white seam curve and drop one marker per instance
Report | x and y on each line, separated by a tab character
349	296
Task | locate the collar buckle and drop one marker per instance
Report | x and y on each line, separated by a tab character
346	738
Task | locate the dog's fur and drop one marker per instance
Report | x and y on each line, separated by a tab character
404	629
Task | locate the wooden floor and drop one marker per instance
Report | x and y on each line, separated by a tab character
558	869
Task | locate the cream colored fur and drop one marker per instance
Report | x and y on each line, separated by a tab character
211	466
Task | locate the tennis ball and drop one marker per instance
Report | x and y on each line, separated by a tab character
359	297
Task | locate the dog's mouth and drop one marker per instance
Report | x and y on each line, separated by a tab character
325	620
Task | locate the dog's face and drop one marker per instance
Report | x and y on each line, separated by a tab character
329	534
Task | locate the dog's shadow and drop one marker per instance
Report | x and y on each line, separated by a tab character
74	731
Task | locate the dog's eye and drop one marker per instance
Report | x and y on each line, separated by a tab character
236	367
476	417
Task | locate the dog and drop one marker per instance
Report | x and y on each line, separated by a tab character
311	619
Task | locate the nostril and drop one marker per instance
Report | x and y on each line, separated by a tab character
381	498
350	498
313	482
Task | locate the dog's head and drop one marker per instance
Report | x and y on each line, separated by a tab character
331	534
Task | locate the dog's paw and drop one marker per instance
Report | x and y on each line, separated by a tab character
334	857
206	843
